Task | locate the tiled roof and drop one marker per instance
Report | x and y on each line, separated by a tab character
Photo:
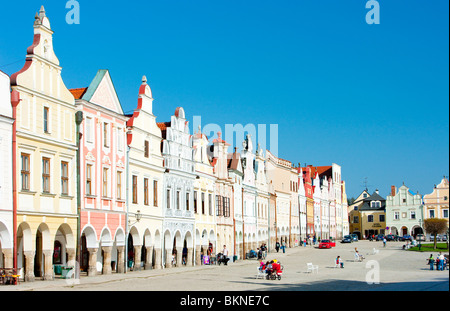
78	93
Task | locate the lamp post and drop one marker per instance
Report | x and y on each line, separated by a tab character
78	120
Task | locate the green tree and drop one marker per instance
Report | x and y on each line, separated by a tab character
435	226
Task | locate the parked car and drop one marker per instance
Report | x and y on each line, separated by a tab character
379	237
354	237
327	244
444	238
405	238
391	237
438	238
347	239
420	237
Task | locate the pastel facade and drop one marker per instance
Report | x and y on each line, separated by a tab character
204	199
178	190
45	159
302	205
373	215
249	195
145	180
103	176
235	174
436	202
224	203
6	176
262	199
355	224
404	212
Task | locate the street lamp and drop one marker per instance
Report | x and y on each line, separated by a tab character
138	217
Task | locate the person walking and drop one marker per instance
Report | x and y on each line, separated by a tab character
441	262
283	247
431	262
225	254
277	246
384	241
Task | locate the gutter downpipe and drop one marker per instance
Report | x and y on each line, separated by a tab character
15	100
78	120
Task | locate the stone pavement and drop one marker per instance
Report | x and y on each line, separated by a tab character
391	269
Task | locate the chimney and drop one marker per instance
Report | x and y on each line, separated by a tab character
393	191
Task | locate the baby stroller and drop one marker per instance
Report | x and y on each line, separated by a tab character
275	274
222	259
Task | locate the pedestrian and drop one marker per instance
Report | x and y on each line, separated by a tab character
277	246
225	254
283	246
339	262
441	262
384	242
431	262
259	254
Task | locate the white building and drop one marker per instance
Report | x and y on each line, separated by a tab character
6	211
178	193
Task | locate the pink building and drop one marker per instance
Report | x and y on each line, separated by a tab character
103	176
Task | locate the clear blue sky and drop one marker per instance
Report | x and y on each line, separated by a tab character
372	98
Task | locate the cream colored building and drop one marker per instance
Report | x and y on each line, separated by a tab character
145	174
46	160
436	203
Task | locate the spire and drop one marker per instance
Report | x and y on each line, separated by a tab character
144	79
42	12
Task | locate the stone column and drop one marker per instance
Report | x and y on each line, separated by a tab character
8	258
121	259
48	265
158	258
29	266
106	259
179	259
137	258
92	269
71	260
198	256
189	257
169	258
148	257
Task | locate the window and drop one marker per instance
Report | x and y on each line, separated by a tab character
396	215
203	203
64	178
195	201
146	191
375	204
105	182
355	219
178	200
226	207
46	175
381	218
445	198
365	195
120	139
187	200
219	205
146	149
105	134
155	193
25	172
369	218
119	185
88	179
134	190
46	119
89	132
404	200
168	198
432	213
413	214
210	202
445	213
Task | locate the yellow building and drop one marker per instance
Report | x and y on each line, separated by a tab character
436	203
46	160
368	215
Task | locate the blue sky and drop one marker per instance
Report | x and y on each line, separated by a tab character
372	98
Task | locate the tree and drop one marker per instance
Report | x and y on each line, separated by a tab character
435	226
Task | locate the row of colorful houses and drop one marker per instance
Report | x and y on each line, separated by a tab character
110	191
401	213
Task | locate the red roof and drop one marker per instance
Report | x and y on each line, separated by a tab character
78	93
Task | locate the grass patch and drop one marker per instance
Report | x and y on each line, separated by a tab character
429	247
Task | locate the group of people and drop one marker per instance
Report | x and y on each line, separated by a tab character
441	262
270	267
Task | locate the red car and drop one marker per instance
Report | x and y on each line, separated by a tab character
327	244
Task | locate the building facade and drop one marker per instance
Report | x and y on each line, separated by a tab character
6	176
178	190
436	202
103	176
145	181
45	158
404	212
